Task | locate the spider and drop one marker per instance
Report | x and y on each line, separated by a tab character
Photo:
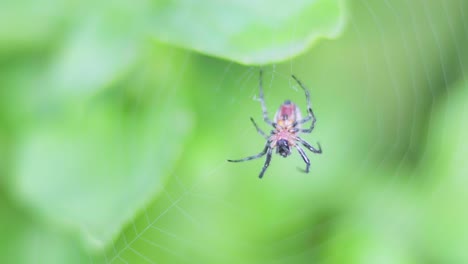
287	127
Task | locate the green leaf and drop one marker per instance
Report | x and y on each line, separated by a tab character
91	165
447	145
102	45
28	25
27	241
445	232
248	32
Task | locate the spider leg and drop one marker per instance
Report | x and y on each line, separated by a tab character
262	101
258	129
267	162
259	155
309	147
310	113
304	157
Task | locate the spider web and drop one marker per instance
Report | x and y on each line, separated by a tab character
213	200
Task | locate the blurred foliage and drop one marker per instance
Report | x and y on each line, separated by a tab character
230	29
113	145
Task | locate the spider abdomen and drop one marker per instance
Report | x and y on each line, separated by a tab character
287	114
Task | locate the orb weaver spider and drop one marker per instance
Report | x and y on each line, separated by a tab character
287	127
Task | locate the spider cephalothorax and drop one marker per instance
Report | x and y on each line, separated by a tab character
287	126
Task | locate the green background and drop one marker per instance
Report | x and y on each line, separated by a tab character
116	120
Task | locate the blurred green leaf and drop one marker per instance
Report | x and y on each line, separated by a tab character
269	31
28	25
90	165
102	44
94	54
27	241
447	145
445	233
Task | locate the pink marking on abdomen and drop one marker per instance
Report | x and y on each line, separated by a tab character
287	112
